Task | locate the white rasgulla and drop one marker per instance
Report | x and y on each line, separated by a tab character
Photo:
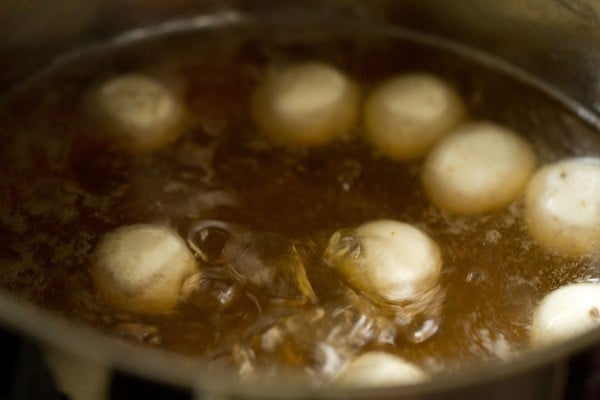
406	115
386	259
477	168
377	369
306	104
562	206
566	312
139	112
140	268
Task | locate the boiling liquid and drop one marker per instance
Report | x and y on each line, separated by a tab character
63	187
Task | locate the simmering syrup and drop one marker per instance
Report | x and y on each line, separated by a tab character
63	186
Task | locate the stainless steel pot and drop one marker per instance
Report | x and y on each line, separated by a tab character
555	41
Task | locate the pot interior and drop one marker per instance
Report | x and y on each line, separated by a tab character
65	186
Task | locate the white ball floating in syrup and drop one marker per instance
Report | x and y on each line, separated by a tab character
563	206
566	312
141	268
305	104
140	113
477	168
406	115
387	260
378	369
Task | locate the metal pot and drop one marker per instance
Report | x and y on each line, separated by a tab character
554	41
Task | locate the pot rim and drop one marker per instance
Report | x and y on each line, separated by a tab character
85	342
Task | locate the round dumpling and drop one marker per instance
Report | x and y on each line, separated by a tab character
386	259
406	115
563	206
479	167
377	369
566	312
305	104
139	113
140	268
